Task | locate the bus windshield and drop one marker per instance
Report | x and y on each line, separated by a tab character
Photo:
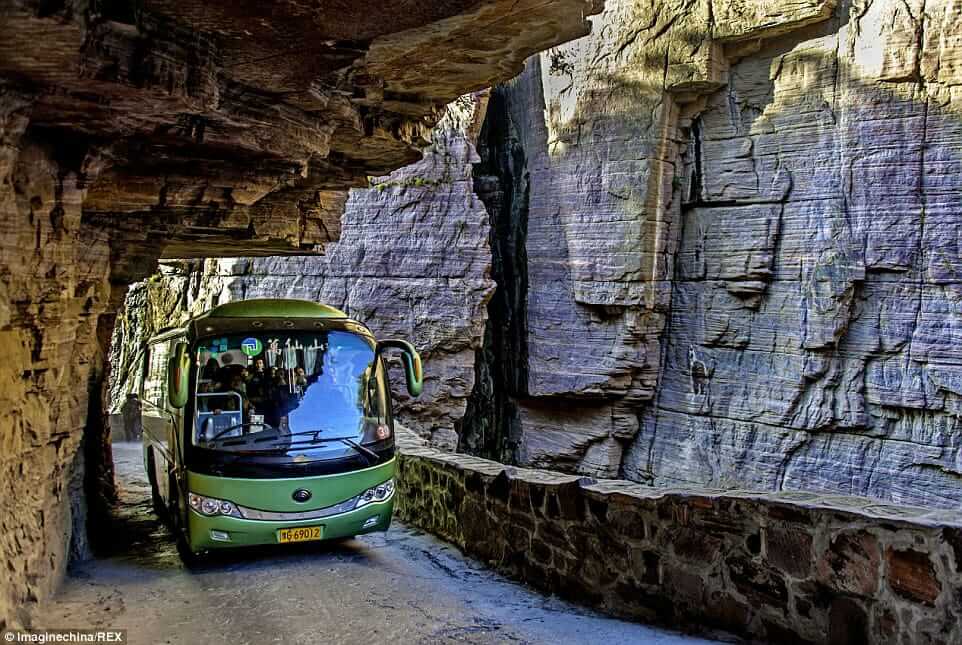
292	392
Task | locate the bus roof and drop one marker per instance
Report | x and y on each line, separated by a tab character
273	308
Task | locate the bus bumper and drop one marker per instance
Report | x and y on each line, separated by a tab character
204	533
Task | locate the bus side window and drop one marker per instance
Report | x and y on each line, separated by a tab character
155	382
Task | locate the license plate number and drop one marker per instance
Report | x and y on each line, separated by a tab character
299	534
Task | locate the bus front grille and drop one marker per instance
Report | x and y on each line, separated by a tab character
279	516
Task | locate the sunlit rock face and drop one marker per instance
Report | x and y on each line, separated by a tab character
743	253
131	131
599	122
725	242
815	327
413	262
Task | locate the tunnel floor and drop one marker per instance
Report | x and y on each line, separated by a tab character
403	586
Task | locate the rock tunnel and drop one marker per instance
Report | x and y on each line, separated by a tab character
685	274
135	131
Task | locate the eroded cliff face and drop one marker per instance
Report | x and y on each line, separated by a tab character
726	241
54	297
817	308
242	126
743	252
413	262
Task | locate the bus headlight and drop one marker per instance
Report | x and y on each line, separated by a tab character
377	493
211	506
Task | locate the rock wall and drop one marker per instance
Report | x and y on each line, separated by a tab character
815	325
490	424
783	567
741	248
724	243
55	294
726	250
413	262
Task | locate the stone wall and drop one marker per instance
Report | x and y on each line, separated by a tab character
785	567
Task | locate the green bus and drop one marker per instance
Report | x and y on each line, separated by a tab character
269	421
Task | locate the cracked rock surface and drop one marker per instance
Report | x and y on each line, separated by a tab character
742	248
726	238
817	274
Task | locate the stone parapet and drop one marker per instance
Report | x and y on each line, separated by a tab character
785	567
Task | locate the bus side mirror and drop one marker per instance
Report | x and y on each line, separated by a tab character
413	372
178	367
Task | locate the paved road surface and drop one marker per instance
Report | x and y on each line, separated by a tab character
400	587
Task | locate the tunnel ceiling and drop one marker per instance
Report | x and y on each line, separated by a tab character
206	128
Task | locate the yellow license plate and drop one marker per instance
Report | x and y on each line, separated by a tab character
300	534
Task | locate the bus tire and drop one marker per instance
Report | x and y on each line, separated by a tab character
160	509
189	559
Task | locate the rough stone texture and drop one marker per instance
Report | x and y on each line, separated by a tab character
413	262
54	292
812	342
134	130
598	122
912	575
699	559
741	249
242	125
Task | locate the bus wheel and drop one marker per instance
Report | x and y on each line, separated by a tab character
188	557
160	510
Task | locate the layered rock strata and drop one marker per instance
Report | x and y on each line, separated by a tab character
722	235
240	127
740	252
54	295
814	332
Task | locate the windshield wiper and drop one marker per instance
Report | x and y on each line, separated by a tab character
314	439
369	454
312	432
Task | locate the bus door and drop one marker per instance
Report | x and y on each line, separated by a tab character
158	420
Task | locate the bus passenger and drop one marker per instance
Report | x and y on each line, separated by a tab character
257	385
